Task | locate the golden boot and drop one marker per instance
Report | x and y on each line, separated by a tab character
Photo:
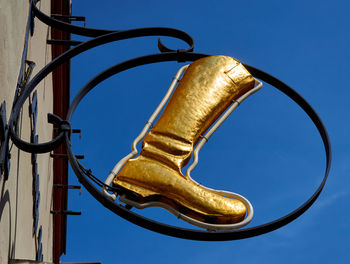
206	90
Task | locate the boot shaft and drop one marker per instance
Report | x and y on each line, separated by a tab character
154	178
206	90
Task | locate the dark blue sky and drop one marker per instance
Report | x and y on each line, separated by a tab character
268	150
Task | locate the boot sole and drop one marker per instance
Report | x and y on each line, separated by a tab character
140	198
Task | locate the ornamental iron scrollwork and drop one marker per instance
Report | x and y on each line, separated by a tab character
85	176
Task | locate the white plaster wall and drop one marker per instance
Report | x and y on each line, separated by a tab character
16	194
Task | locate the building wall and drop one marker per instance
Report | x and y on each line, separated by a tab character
17	240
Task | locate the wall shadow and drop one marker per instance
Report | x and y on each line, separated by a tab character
5	199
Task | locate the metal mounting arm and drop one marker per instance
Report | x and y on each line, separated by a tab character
91	182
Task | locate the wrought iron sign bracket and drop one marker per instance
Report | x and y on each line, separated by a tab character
92	183
68	187
66	212
74	131
69	18
63	42
65	156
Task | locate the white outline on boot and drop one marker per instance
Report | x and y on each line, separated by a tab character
205	138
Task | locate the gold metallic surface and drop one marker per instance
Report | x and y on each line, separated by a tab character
207	88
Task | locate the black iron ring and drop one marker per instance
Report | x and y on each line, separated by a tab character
184	232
